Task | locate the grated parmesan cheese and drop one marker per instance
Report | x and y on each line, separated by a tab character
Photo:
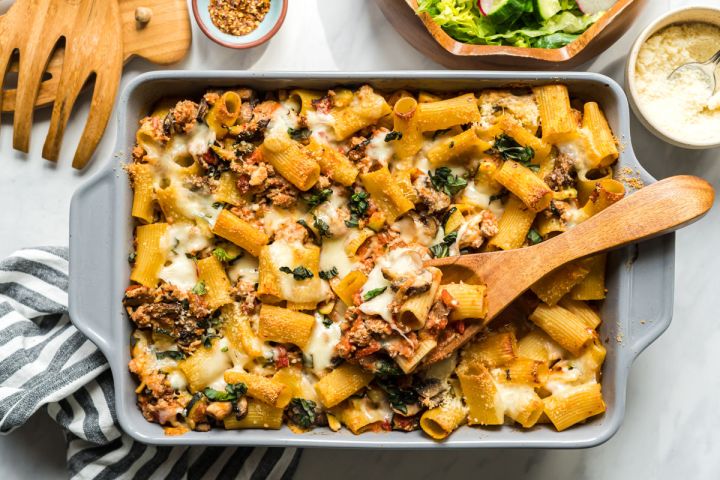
680	108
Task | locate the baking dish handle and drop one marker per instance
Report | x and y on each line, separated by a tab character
652	285
89	292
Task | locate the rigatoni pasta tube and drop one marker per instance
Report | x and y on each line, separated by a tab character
241	233
239	332
513	226
492	350
413	313
525	371
556	118
223	113
514	129
602	150
470	301
285	326
527	186
149	255
306	98
405	122
537	345
261	388
481	395
386	194
333	163
227	190
408	364
286	156
459	146
349	286
448	113
574	405
581	310
342	382
362	109
563	327
143	196
259	415
592	287
439	422
204	366
556	284
217	284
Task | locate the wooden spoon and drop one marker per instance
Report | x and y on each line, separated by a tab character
660	208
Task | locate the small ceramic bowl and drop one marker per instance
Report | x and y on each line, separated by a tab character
264	32
709	15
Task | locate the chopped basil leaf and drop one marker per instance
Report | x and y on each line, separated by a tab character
373	293
222	255
299	134
310	231
398	397
132	257
327	322
224	349
499	196
298	273
534	237
232	392
509	149
302	412
353	222
217	205
359	203
328	274
442	249
393	136
199	288
322	227
445	181
315	199
174	354
446	216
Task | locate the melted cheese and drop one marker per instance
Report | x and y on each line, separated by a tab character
177	380
245	269
321	125
308	290
514	398
477	194
380	150
333	255
321	346
282	119
180	240
576	150
402	262
379	305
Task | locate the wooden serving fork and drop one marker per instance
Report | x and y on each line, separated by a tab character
91	31
659	208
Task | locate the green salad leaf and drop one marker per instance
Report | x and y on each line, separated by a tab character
462	20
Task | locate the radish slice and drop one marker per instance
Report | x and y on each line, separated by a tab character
594	6
485	6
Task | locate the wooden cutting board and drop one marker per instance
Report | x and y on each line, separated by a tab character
164	40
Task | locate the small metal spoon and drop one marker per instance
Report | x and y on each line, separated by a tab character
708	70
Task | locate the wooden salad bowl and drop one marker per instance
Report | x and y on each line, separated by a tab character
442	48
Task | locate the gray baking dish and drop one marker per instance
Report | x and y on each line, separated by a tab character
640	277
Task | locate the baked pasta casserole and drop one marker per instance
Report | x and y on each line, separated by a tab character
278	268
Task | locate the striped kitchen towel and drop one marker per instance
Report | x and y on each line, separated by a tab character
45	362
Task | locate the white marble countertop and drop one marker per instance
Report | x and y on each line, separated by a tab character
672	420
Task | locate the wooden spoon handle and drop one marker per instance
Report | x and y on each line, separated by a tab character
659	208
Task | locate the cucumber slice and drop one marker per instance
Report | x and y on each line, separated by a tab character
503	11
547	8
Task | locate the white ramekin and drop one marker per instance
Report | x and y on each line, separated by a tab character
709	15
